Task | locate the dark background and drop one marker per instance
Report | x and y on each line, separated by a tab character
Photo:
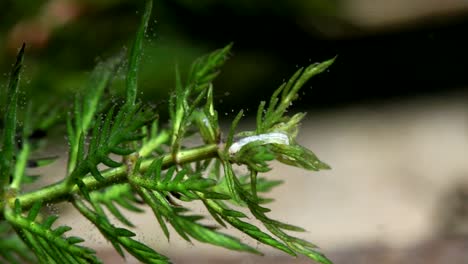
387	62
384	65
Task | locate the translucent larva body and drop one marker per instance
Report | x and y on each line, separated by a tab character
267	138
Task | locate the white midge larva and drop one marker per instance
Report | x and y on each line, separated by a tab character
267	138
206	122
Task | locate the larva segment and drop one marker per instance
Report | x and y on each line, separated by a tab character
267	138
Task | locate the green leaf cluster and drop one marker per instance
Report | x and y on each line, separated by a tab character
120	159
48	244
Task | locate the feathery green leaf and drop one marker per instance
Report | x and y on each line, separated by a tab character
48	244
135	56
120	237
9	127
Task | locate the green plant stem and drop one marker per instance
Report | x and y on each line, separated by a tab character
60	191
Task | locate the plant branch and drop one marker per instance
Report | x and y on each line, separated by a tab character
59	191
